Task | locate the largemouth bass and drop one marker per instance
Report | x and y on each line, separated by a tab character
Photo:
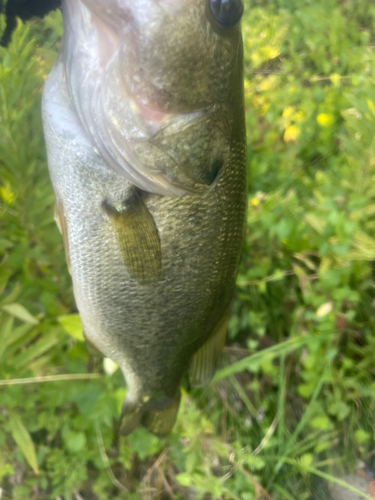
144	123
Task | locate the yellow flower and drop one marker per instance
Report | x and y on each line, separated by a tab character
325	119
291	133
335	79
288	112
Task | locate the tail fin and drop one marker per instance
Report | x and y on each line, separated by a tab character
157	416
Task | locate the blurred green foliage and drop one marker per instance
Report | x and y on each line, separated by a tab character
295	399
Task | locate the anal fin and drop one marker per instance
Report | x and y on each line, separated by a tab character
138	237
206	360
61	223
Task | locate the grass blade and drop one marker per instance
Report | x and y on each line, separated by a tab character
23	440
39	348
283	348
20	312
323	475
50	378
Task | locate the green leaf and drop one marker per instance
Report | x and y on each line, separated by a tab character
12	296
306	460
72	325
362	436
322	423
16	334
6	327
37	349
4	277
143	443
20	312
4	244
184	479
23	440
75	441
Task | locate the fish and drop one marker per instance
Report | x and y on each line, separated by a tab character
144	122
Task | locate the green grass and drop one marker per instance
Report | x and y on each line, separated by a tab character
293	405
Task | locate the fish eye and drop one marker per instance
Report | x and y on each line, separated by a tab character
227	13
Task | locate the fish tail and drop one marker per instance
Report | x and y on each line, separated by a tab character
158	417
130	417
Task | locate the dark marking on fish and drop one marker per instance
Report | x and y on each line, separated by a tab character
138	237
213	171
206	360
198	151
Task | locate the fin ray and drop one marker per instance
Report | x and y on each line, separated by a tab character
161	422
206	360
138	237
158	421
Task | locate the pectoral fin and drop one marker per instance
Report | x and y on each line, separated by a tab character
138	237
206	360
60	220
